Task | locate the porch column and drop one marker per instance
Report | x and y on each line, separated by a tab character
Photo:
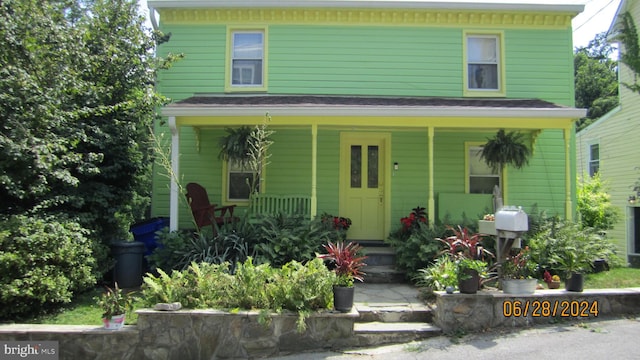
314	170
431	201
175	167
567	174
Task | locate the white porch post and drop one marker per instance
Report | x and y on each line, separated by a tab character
431	201
175	168
314	170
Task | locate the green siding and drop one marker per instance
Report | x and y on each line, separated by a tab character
410	184
369	60
328	171
359	60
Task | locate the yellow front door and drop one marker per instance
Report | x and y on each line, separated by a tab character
363	161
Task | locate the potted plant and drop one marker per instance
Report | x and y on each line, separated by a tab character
553	281
517	273
347	263
114	303
467	251
506	149
470	272
574	259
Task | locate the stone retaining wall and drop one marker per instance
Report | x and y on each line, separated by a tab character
193	334
491	309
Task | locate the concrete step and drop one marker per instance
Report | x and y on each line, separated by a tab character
395	314
376	333
380	256
383	274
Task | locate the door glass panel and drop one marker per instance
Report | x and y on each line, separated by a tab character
372	166
356	166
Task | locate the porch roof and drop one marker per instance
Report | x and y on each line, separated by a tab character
312	105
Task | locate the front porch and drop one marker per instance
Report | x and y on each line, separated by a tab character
420	145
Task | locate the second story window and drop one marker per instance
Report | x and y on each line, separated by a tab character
594	159
484	68
246	60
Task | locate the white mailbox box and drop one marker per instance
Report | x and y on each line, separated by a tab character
511	218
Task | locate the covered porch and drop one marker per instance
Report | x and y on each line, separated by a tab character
373	123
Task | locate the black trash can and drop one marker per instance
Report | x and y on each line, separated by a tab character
127	271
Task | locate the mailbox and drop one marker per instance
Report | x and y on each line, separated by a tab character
511	218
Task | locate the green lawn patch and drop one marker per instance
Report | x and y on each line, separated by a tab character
623	277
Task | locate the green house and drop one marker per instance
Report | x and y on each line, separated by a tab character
604	147
377	106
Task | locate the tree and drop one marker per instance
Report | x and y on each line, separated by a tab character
596	84
77	99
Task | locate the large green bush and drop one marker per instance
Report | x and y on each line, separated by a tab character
560	245
43	262
594	204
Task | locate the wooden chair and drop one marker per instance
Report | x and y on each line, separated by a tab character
206	213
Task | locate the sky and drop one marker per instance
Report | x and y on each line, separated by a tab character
595	18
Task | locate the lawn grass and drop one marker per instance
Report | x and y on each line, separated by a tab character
623	277
83	310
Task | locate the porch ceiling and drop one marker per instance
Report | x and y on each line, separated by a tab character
426	107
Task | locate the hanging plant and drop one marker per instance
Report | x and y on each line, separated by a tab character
236	145
506	149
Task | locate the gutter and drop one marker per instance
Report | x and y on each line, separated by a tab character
373	111
521	5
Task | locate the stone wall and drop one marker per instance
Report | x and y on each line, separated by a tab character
193	334
491	309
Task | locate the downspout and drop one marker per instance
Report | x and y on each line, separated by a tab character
175	167
152	18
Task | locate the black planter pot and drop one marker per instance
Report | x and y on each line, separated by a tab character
343	298
600	265
575	282
471	284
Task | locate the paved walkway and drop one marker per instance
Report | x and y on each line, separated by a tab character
394	297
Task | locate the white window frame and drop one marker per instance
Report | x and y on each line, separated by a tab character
499	91
227	172
473	146
230	86
591	161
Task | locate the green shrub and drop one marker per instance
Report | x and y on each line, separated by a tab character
560	246
43	261
594	204
233	243
284	238
168	254
417	248
296	287
437	276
